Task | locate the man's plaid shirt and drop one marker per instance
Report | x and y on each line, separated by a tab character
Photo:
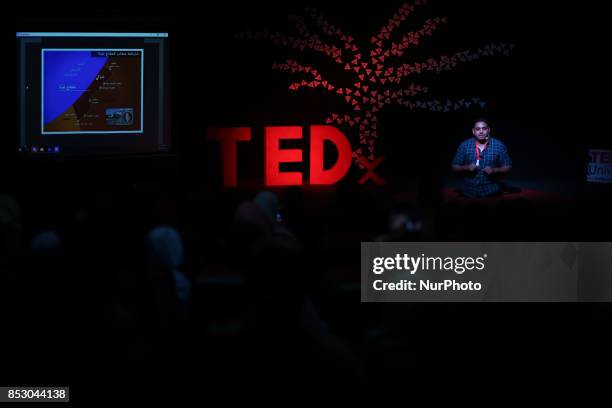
478	183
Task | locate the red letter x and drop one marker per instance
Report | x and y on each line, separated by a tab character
370	166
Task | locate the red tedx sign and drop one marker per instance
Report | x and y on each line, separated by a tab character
228	138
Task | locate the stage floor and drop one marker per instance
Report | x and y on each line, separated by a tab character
534	191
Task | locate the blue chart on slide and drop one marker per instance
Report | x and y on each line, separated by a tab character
92	91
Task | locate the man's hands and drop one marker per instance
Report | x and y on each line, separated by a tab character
497	170
468	167
487	170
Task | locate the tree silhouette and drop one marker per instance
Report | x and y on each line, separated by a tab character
377	80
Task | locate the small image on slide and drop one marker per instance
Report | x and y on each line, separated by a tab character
120	117
92	91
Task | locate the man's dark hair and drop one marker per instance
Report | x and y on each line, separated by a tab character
485	120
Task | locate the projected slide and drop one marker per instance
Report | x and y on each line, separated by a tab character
92	91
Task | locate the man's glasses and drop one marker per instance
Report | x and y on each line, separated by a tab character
481	128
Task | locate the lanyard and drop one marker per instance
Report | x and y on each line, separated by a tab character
478	152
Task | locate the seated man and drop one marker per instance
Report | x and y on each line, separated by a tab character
482	159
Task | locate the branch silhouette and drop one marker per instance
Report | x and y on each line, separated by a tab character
376	82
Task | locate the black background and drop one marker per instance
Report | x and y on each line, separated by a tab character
547	102
544	101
